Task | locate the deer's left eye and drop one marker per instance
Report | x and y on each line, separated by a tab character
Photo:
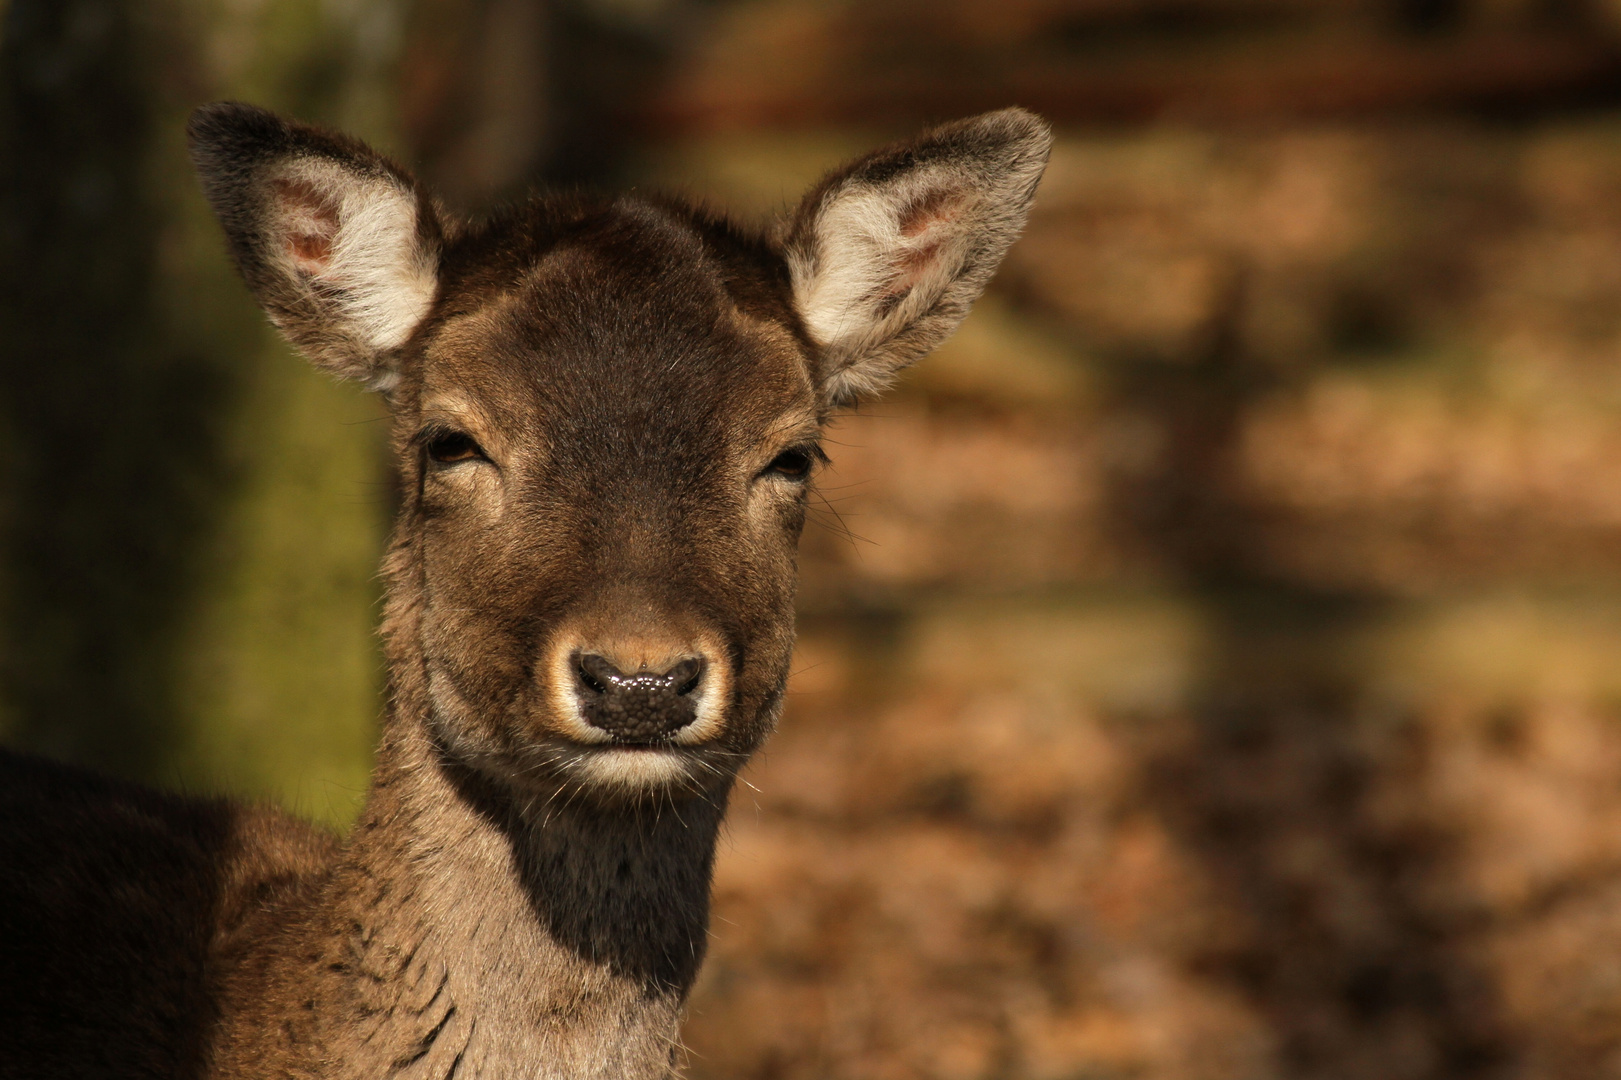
795	463
450	447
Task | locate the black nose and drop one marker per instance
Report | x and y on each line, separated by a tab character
647	707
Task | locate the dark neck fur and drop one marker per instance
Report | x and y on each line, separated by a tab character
626	887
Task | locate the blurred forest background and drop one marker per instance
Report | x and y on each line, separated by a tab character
1211	660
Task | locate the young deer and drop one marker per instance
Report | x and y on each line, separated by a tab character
606	416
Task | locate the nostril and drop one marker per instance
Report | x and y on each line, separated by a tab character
597	673
685	676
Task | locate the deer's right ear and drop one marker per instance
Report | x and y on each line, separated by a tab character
338	244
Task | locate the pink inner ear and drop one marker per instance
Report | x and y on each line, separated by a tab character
938	207
933	213
310	248
310	223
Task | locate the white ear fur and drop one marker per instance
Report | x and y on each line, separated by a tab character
887	256
873	271
353	242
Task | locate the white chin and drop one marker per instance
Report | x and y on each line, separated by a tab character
632	768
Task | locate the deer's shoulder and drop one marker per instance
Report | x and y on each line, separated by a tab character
115	904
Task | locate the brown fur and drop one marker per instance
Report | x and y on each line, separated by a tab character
604	411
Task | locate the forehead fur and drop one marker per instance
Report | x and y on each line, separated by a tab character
642	241
624	314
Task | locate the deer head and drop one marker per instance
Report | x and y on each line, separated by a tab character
607	414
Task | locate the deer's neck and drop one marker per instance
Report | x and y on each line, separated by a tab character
493	938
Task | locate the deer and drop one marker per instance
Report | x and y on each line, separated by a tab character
607	416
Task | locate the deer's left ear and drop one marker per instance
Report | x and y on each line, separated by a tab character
888	253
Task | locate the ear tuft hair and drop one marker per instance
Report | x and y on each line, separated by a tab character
888	253
336	242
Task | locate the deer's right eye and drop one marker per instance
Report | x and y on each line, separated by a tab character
451	447
796	463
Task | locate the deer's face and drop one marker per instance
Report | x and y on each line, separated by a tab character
607	419
608	462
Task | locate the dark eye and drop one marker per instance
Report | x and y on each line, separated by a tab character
450	447
794	464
